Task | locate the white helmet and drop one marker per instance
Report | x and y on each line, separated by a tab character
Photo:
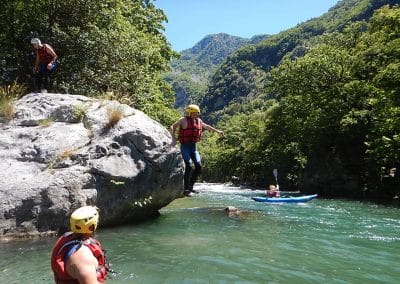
35	41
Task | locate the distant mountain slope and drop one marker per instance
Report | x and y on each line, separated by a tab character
241	75
212	50
190	73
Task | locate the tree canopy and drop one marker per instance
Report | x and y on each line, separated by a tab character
103	45
330	120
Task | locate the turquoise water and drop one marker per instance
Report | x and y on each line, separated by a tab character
194	241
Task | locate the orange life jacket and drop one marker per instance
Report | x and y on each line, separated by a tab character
65	246
192	133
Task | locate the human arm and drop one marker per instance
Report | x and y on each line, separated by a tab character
174	127
209	127
82	265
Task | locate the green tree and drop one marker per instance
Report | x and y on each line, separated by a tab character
107	45
378	67
336	123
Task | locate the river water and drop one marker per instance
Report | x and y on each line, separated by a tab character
194	241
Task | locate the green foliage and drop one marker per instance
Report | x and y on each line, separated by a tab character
112	45
209	52
45	122
237	83
378	65
269	52
8	95
79	112
335	122
191	72
188	89
155	109
250	150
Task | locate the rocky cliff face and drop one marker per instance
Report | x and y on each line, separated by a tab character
61	152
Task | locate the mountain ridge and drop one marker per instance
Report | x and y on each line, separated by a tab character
214	48
235	76
191	72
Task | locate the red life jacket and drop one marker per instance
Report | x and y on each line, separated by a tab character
44	56
272	193
192	132
65	247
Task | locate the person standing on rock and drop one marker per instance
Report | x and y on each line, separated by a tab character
190	129
45	64
77	257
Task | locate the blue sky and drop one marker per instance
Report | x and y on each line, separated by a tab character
189	21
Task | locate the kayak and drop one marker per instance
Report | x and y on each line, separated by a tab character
289	193
291	199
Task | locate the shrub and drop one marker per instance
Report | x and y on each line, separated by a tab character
114	115
117	96
79	112
8	95
46	122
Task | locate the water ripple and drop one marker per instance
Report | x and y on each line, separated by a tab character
195	241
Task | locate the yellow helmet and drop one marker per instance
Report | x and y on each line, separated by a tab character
192	108
84	220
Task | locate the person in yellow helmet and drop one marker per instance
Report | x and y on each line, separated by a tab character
190	129
77	257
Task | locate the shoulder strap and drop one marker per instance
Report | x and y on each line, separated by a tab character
73	245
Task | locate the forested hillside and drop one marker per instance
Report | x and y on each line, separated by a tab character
115	46
240	76
191	72
320	102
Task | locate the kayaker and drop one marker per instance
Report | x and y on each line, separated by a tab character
77	257
273	191
190	130
45	64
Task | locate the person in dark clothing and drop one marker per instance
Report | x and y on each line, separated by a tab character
391	184
45	64
190	129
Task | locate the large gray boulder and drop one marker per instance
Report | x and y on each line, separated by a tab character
62	151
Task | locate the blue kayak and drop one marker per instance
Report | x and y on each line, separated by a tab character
293	199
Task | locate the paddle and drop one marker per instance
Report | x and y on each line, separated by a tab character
275	173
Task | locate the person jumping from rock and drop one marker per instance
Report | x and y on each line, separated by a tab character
190	130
